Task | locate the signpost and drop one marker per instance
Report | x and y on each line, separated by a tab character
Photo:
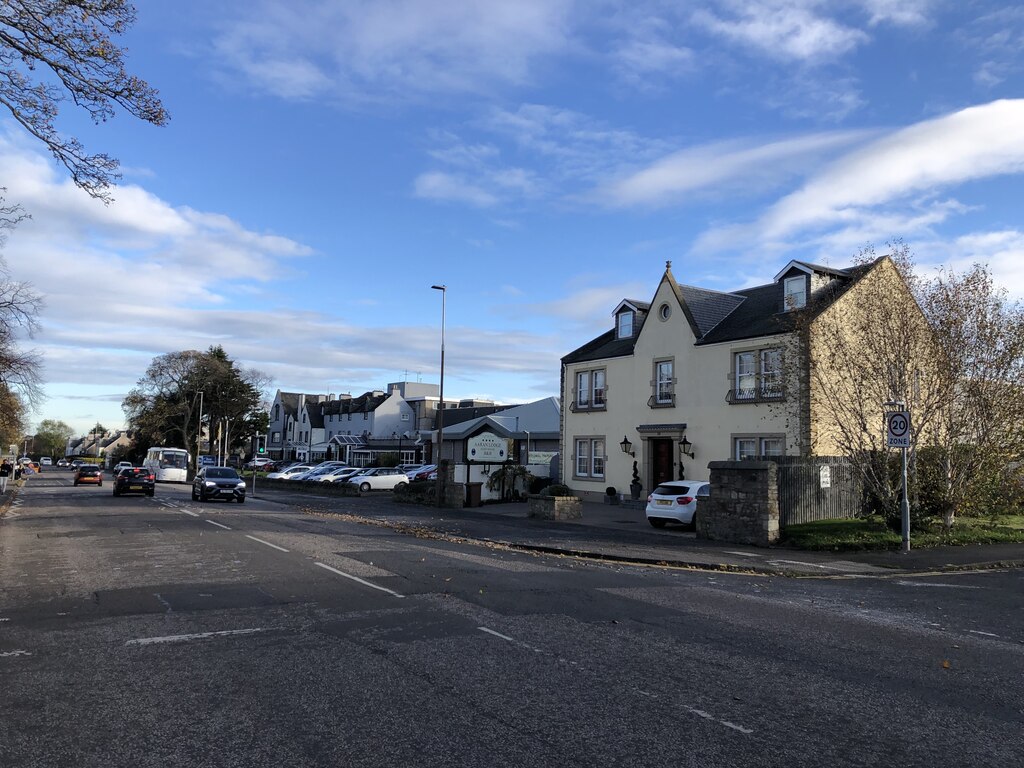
897	426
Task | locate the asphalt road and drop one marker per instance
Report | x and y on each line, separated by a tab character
164	632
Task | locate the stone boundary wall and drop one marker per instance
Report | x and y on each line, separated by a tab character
743	507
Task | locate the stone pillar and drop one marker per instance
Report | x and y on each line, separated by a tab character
743	507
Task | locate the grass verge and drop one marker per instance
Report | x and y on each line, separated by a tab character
872	534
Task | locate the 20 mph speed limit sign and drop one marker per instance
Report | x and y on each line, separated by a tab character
897	425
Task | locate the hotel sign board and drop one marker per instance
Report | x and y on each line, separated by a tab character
487	448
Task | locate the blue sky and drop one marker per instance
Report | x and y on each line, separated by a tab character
327	162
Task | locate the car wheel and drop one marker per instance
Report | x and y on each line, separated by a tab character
241	499
202	496
100	483
399	485
76	482
364	487
693	520
195	496
116	492
657	522
150	493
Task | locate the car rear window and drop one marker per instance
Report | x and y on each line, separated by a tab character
672	490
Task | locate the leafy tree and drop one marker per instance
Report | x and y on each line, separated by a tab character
52	51
12	418
183	389
52	437
55	51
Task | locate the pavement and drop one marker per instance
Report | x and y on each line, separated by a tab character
618	533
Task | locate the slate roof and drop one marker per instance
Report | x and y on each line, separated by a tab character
708	308
717	316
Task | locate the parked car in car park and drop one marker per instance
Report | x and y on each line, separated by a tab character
423	473
89	473
379	479
45	461
258	463
62	463
339	474
218	483
317	472
284	474
134	480
675	501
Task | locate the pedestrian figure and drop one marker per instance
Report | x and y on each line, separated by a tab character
5	472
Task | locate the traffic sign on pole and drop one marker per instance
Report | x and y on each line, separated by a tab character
897	426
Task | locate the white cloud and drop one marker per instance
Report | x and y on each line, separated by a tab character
720	166
782	29
974	143
371	50
1002	250
450	188
906	13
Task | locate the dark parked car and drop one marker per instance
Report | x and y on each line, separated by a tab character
134	480
218	483
89	473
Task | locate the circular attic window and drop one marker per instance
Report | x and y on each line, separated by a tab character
664	311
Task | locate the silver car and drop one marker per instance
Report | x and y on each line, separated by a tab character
379	479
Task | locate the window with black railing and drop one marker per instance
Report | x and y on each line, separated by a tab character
757	376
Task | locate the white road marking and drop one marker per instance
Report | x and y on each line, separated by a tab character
743	554
496	634
14	653
936	584
712	718
357	579
5	619
735	727
219	525
187	512
986	634
267	543
196	636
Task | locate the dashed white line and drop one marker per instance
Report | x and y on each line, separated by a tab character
984	634
14	653
357	579
219	525
196	636
187	512
496	634
267	543
743	554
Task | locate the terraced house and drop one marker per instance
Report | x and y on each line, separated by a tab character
696	375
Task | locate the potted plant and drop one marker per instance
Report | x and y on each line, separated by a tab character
634	487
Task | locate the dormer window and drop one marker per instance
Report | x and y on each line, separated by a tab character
625	325
796	292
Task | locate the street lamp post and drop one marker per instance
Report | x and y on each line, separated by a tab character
440	406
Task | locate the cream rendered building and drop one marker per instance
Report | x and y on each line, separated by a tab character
693	372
